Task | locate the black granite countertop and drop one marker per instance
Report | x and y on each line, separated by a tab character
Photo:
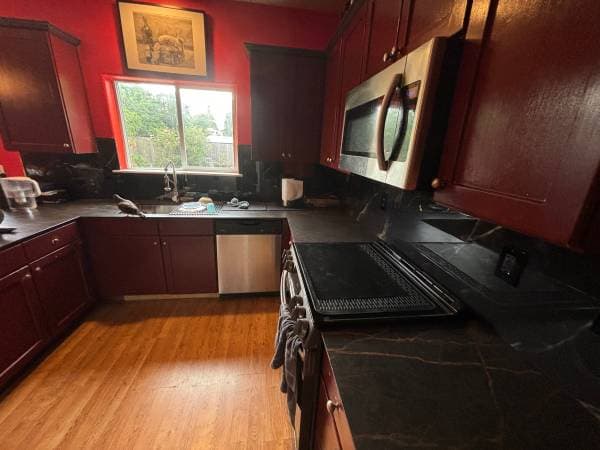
500	377
450	385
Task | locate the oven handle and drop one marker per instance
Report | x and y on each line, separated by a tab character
282	284
385	105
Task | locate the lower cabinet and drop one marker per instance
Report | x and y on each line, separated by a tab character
43	290
131	256
190	264
61	285
332	431
126	265
22	334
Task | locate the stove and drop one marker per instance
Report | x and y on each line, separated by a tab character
324	284
368	281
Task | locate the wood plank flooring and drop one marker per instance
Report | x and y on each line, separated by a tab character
171	374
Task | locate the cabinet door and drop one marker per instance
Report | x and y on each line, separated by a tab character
190	264
126	265
74	96
307	104
32	115
61	285
385	23
354	51
522	143
330	135
271	77
21	333
326	435
423	20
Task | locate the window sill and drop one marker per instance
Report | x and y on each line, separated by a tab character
179	172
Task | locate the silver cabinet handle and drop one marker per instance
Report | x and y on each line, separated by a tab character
27	276
155	243
331	406
164	243
55	241
66	145
283	155
38	269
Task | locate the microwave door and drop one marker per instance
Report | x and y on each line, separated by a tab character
391	124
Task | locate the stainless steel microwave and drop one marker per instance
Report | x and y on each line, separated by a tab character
387	118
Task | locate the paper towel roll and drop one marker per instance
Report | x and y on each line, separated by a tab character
291	189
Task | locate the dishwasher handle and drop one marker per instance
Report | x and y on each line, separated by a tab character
248	226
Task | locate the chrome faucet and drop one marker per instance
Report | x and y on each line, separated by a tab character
174	191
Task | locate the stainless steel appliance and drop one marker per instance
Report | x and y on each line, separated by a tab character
323	284
387	118
248	255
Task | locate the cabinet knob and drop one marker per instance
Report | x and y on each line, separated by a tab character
438	183
332	406
155	243
66	145
55	241
289	155
27	276
38	269
164	243
386	57
393	52
283	155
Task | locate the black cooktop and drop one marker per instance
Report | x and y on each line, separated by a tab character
361	280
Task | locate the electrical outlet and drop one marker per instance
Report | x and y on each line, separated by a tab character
511	264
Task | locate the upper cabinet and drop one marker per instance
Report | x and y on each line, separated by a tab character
400	26
522	144
43	103
286	88
330	136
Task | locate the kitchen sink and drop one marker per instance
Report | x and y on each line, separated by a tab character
159	209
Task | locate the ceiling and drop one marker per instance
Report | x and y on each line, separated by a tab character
326	6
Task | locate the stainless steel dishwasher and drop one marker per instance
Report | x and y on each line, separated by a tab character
248	255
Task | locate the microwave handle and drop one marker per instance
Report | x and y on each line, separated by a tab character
385	105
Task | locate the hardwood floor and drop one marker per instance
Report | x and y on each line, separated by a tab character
177	374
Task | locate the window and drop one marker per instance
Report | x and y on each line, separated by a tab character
193	127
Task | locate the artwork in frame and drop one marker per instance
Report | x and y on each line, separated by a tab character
164	40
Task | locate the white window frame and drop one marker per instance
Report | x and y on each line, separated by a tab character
119	128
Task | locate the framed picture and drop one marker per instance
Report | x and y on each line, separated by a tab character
164	40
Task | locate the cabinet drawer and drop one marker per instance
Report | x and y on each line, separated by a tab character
186	227
48	242
12	259
120	226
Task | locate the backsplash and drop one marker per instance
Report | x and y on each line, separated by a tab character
92	176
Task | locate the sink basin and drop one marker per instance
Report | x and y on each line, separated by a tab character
159	209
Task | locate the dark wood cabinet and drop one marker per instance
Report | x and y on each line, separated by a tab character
126	265
190	264
354	44
131	256
383	38
332	430
61	285
286	88
522	144
22	334
330	135
43	103
424	19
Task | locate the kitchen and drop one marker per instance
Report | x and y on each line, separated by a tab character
392	203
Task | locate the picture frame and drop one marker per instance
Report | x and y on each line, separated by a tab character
163	40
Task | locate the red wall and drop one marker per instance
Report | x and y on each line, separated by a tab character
233	23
